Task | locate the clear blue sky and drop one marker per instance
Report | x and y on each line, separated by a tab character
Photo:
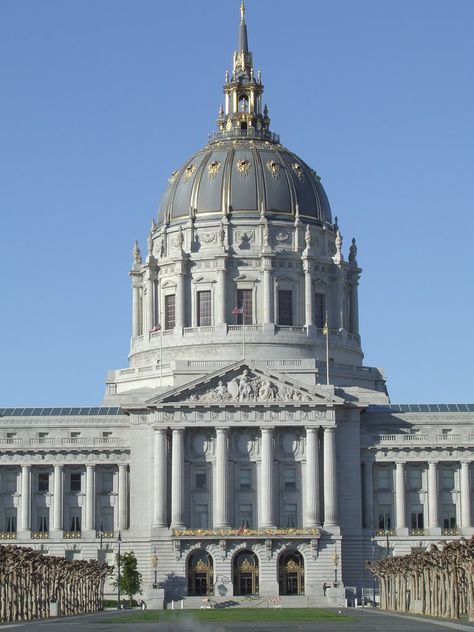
102	100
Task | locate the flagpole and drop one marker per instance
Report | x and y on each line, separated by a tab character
327	350
161	356
243	333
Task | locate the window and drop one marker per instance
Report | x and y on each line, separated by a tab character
319	309
384	517
447	479
107	519
204	309
384	478
10	521
170	311
42	521
290	516
245	478
75	521
200	480
11	435
107	482
416	517
449	516
289	478
74	435
245	516
107	434
415	478
10	482
244	299
285	312
75	483
43	482
201	516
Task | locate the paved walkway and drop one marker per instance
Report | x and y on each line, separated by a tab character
362	621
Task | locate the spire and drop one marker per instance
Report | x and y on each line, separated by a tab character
243	40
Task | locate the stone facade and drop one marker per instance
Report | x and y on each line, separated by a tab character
245	450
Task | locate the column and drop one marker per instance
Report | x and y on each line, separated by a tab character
433	495
266	477
160	517
90	498
340	299
308	298
465	495
177	479
57	497
25	497
220	298
312	513
221	501
267	293
148	307
122	497
355	306
180	301
400	496
330	480
136	330
368	495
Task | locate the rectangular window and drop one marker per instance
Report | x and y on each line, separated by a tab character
42	522
200	480
416	517
245	516
245	478
107	482
170	311
447	479
75	483
285	311
10	521
449	516
384	478
319	309
415	478
245	299
107	519
384	517
11	435
289	478
43	481
290	516
201	516
204	309
74	435
75	522
10	482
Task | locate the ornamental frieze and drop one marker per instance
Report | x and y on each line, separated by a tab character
280	415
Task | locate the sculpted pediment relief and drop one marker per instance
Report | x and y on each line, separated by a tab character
242	384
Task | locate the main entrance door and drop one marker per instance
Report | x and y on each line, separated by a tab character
291	573
200	574
246	573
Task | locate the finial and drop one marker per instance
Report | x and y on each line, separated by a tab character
336	225
227	76
137	256
149	243
259	76
242	12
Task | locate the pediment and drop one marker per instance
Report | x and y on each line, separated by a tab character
245	384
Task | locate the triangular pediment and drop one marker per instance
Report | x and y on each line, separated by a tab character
244	383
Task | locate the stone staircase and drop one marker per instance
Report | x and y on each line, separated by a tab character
256	601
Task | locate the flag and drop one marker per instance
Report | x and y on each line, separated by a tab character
241	529
325	328
157	327
238	310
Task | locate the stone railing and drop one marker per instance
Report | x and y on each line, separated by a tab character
28	443
71	535
417	532
7	535
407	438
39	535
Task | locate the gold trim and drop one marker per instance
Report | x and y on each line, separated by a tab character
243	166
188	172
213	169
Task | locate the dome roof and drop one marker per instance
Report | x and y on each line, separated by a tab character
242	177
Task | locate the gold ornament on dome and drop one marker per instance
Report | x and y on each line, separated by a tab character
274	168
243	167
213	169
188	172
298	169
172	177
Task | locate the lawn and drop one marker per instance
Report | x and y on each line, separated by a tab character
233	614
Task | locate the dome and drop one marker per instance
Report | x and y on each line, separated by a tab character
244	176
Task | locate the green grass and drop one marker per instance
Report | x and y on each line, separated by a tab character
233	614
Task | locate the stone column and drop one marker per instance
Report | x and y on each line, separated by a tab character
312	514
220	297
308	294
177	479
368	495
122	497
221	501
136	319
354	315
330	478
160	515
465	495
57	497
266	475
179	301
267	292
90	498
401	521
433	495
25	497
148	307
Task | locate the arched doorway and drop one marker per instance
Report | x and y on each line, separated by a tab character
246	573
291	573
200	573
